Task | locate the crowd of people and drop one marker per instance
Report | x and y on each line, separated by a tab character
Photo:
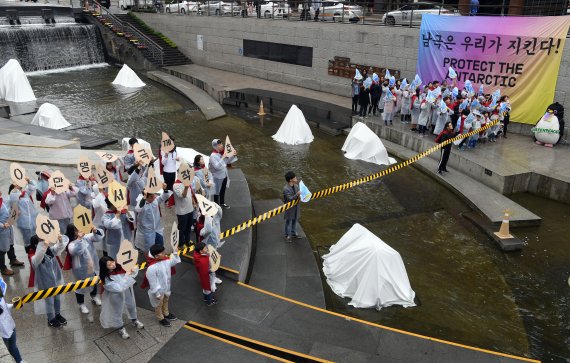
428	108
140	222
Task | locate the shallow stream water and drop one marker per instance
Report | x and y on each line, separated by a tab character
468	291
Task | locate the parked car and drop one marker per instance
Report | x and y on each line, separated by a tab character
220	8
274	9
126	4
183	7
413	13
333	10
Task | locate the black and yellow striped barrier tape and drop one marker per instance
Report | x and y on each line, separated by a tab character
92	281
339	188
72	286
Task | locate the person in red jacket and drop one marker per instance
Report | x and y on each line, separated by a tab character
202	263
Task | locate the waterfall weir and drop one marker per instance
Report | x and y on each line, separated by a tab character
43	47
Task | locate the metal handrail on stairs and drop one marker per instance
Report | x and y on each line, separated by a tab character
156	51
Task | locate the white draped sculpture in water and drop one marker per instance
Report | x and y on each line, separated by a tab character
361	266
363	144
294	130
128	78
14	85
50	116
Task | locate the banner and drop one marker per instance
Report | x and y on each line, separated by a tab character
520	56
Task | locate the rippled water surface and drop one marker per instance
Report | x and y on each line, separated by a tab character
468	291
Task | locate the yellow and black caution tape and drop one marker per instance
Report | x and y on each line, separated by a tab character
339	188
92	281
72	286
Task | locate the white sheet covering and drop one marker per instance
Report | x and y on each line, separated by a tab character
128	78
294	130
50	116
361	266
14	85
363	144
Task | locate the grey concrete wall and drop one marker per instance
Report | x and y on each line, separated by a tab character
392	47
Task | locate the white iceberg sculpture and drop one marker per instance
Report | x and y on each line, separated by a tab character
363	144
361	266
50	116
14	85
294	130
128	78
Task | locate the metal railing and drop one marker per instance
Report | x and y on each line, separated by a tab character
155	51
389	13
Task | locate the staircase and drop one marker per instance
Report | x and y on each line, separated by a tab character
170	56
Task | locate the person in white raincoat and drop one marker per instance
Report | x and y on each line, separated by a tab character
46	272
6	239
118	296
116	226
135	182
218	167
206	184
26	220
158	280
84	261
8	328
443	117
212	229
149	224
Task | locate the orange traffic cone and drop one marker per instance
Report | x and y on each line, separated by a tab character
261	110
504	230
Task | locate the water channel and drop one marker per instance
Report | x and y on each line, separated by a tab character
468	291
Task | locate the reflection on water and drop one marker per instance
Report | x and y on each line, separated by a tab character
468	291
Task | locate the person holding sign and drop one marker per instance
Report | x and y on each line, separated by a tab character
202	263
218	167
136	182
115	223
84	261
118	296
6	239
85	191
202	174
158	280
184	203
26	220
169	168
60	206
129	158
45	273
212	229
290	193
8	327
149	224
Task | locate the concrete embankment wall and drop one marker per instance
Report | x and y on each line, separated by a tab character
391	47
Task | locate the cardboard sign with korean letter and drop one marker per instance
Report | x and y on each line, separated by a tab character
84	167
82	219
18	175
103	176
174	237
167	145
215	258
143	155
230	151
14	211
47	229
117	195
127	256
207	207
58	182
153	185
107	157
186	173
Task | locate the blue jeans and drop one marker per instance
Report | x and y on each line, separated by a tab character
12	347
290	227
52	307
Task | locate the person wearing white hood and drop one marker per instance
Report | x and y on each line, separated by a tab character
149	224
26	220
60	206
218	167
118	296
84	261
8	327
212	229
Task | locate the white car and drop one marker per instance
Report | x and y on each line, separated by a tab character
183	7
220	8
275	9
333	10
412	13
